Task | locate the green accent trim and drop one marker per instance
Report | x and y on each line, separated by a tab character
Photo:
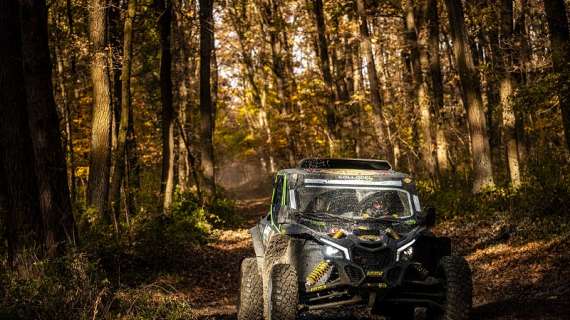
284	191
273	224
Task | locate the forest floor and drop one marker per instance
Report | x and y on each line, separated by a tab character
514	278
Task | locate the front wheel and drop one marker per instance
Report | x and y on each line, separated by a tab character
455	274
250	305
282	291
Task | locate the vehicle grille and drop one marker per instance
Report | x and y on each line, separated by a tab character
353	273
372	260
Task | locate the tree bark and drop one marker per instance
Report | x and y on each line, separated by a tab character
167	115
51	170
241	23
506	91
471	90
206	107
560	45
324	64
100	162
437	86
121	149
417	54
23	217
66	111
379	120
116	50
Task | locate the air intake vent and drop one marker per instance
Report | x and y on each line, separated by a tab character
353	273
372	260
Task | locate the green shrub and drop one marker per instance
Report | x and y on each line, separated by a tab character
69	287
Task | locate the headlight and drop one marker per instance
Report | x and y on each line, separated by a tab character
331	252
335	248
406	251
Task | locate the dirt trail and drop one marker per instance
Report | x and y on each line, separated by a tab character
512	281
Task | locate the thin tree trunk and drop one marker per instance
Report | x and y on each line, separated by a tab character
437	86
168	157
560	45
240	22
471	90
206	107
272	23
379	120
506	90
417	56
51	170
100	162
115	48
68	125
120	152
324	63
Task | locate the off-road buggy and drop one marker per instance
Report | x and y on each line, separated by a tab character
351	232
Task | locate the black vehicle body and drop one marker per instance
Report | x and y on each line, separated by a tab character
380	262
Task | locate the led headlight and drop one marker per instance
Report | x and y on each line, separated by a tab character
335	246
331	252
406	251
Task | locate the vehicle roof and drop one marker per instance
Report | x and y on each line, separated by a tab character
323	169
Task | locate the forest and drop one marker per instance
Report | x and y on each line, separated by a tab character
139	140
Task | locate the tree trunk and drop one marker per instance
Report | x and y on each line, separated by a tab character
560	45
240	21
272	23
167	115
379	121
120	152
421	89
471	90
324	63
437	86
51	170
116	50
206	107
66	111
506	90
100	162
23	217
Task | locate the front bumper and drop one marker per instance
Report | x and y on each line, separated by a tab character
351	283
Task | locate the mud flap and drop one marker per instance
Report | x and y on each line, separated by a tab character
257	245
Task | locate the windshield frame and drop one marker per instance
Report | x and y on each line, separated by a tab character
358	187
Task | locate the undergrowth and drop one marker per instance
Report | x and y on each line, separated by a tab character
112	276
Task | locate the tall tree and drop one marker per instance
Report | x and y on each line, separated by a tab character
380	123
422	98
126	113
100	162
167	115
436	85
23	217
274	26
206	104
560	45
471	91
50	164
506	91
324	64
241	22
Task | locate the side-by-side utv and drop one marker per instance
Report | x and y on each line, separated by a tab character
351	232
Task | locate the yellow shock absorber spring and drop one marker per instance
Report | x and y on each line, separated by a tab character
320	270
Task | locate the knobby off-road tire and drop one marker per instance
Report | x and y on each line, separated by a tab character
456	274
250	303
283	293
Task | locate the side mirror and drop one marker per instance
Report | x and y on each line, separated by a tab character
430	217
